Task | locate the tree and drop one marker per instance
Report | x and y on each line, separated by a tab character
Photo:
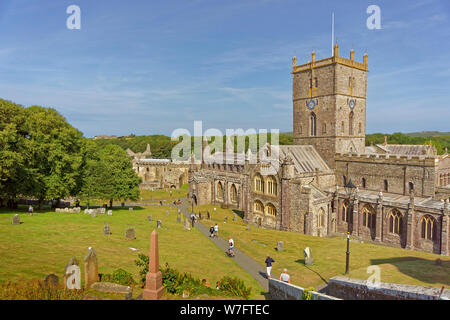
55	154
108	174
13	152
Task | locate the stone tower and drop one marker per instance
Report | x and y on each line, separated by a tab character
329	98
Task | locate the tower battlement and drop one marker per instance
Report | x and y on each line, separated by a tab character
335	59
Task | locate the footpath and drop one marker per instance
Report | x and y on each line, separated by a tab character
243	260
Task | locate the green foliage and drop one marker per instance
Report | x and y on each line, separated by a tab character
307	294
439	141
176	282
36	290
235	287
119	276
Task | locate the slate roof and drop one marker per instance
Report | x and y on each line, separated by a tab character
305	157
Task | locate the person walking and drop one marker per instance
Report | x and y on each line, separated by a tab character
192	219
285	277
211	232
216	230
269	262
231	246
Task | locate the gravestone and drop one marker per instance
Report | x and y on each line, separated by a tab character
16	219
106	230
187	225
86	211
94	214
72	275
130	209
102	210
149	218
280	246
309	260
167	213
159	224
110	213
90	268
129	234
179	211
51	281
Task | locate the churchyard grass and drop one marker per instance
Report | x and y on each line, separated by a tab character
397	265
44	243
162	194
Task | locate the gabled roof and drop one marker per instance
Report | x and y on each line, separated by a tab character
305	158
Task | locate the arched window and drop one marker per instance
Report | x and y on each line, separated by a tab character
345	211
428	227
234	195
395	221
363	183
272	186
313	124
411	187
259	183
321	218
219	193
386	186
350	124
271	210
369	216
258	207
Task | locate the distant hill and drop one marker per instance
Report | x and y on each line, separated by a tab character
427	134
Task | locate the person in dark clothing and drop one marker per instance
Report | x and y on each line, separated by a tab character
211	232
269	262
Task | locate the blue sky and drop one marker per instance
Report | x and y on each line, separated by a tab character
149	67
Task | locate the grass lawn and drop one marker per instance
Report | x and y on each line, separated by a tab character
162	194
45	242
397	265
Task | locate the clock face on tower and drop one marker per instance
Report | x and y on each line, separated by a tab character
352	103
310	104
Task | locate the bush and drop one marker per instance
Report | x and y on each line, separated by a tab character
307	294
119	276
235	287
36	290
176	282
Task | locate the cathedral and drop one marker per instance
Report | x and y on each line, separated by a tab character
329	182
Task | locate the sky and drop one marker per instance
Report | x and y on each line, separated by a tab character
150	67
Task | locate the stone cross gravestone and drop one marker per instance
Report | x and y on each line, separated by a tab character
110	213
129	234
90	268
51	281
16	219
106	230
150	218
280	246
309	260
159	224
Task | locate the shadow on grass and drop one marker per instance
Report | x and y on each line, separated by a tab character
424	270
302	262
239	213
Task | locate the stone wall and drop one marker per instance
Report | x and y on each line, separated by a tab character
279	290
354	289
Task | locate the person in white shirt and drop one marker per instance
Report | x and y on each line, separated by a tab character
285	277
216	230
231	245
